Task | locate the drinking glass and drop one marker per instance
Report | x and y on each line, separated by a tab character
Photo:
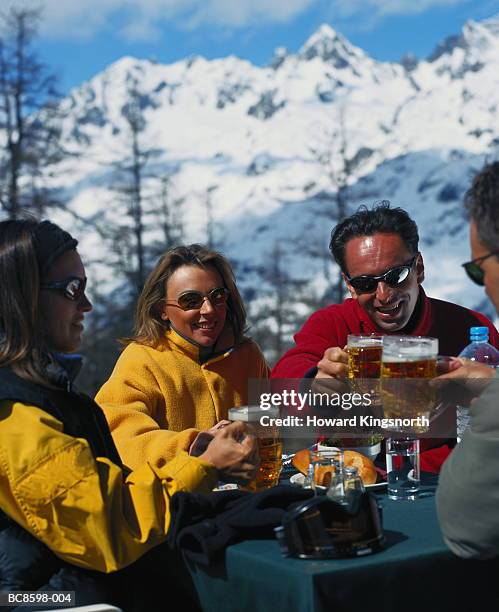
323	464
402	467
345	482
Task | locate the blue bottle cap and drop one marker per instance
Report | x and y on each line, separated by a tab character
479	334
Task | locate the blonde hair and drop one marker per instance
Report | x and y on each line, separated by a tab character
149	328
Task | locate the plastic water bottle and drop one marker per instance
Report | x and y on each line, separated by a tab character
480	350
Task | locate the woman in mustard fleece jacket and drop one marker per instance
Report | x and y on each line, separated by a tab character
186	365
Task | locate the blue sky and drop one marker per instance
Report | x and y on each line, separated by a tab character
79	38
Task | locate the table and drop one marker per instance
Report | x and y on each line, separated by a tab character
416	571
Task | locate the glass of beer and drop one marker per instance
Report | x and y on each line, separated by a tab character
364	371
408	362
269	443
364	356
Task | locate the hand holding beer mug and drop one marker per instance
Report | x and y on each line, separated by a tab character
332	372
233	451
268	442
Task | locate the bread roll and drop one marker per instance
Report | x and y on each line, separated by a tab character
301	460
364	465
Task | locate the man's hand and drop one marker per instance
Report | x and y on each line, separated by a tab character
332	370
472	377
233	450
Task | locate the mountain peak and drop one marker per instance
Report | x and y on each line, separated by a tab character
492	24
481	34
325	31
331	47
447	46
126	66
476	35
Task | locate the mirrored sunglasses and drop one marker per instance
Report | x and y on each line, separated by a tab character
474	270
193	300
393	277
71	288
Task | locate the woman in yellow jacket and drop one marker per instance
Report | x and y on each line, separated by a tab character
188	362
65	498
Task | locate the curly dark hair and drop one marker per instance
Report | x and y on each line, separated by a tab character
482	203
380	219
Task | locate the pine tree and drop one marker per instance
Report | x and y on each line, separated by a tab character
30	118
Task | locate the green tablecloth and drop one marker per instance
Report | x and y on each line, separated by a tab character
416	571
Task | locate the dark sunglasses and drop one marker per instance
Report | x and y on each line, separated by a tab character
71	288
393	277
193	300
474	270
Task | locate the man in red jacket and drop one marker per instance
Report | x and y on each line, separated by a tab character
377	251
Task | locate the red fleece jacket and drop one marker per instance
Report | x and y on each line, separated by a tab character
330	327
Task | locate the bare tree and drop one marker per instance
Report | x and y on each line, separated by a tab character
331	153
138	160
210	222
171	218
130	180
277	314
167	212
30	117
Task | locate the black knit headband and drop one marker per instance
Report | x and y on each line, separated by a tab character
50	242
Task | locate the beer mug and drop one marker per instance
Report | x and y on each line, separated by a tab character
269	443
364	355
408	362
364	371
364	364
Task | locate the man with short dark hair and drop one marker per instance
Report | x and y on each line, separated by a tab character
468	491
377	251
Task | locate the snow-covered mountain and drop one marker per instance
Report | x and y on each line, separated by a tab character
266	145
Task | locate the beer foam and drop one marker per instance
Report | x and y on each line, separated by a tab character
400	349
403	354
365	343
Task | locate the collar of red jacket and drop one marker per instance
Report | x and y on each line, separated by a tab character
421	327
